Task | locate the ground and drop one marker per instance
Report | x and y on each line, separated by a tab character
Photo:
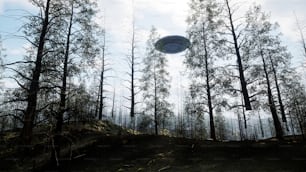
161	153
118	151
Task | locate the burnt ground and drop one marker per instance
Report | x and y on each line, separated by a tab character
136	153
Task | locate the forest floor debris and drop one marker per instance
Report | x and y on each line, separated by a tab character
102	146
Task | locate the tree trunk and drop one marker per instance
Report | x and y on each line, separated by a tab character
208	91
239	61
101	105
97	103
59	123
302	36
29	115
155	103
292	125
260	125
113	105
277	124
241	131
299	120
132	110
244	116
282	109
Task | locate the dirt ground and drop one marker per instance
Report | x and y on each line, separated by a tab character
144	153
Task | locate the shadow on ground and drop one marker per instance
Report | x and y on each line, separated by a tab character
160	153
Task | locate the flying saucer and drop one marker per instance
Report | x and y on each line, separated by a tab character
172	44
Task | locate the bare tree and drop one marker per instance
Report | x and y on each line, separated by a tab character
102	77
302	37
132	63
237	42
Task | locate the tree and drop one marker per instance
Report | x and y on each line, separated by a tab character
277	125
295	97
205	45
45	20
3	118
156	85
1	60
132	63
302	37
194	111
79	40
102	77
267	47
237	41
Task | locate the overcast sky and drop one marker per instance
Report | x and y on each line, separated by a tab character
168	16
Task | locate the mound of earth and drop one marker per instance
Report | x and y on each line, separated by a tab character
75	136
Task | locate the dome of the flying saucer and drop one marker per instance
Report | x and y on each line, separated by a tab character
172	44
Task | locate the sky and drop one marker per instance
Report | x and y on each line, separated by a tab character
168	16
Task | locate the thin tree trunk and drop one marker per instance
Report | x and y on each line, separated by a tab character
155	103
208	91
97	102
292	125
277	124
101	105
298	113
302	36
260	125
244	116
30	112
113	105
132	110
239	61
241	131
59	122
282	109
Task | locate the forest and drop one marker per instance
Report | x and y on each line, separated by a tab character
242	89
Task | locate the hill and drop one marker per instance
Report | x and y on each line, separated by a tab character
76	136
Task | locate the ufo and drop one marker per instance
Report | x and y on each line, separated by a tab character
172	44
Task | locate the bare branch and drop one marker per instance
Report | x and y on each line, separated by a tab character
127	98
21	85
18	62
19	73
